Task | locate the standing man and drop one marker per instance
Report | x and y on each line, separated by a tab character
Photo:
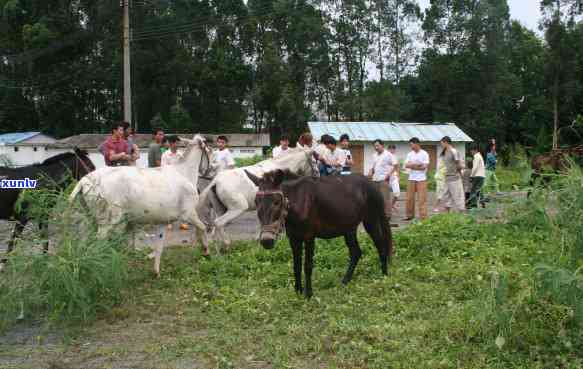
133	150
283	147
453	195
417	162
395	177
347	157
381	172
223	157
491	161
477	177
155	149
115	148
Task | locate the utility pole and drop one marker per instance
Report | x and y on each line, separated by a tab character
127	81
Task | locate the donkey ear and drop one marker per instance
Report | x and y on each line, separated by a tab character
256	180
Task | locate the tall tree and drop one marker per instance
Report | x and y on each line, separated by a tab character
558	22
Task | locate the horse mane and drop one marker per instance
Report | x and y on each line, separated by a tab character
286	173
58	158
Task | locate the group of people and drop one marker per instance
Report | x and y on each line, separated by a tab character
458	186
120	149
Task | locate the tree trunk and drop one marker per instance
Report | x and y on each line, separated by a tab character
556	113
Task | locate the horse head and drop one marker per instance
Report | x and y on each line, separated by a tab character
84	164
271	204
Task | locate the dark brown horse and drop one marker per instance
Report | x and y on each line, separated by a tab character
326	207
553	162
59	170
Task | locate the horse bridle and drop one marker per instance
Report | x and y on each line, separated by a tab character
206	174
279	224
80	161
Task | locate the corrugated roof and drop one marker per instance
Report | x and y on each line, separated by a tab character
88	141
16	137
389	131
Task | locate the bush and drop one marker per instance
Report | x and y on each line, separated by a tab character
82	277
244	162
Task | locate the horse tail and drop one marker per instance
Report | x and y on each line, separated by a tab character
386	234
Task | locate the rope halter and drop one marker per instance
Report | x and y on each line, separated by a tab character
277	227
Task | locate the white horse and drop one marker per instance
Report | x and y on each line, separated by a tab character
231	193
147	195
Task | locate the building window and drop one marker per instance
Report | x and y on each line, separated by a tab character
15	148
34	149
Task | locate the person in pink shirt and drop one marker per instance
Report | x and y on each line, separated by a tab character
115	148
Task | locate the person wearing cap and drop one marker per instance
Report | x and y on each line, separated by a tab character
417	162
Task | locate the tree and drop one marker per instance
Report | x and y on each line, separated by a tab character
558	22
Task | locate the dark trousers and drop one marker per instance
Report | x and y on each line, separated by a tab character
476	191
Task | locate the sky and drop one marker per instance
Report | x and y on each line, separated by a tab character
525	11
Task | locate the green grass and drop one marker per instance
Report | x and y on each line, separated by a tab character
456	289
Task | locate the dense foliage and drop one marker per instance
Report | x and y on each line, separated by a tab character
219	66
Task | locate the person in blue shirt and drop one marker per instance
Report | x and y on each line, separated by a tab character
491	161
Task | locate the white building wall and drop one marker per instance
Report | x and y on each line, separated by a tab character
25	155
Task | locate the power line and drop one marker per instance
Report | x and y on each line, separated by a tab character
202	23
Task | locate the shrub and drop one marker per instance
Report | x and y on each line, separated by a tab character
244	162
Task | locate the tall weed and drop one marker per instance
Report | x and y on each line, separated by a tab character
83	276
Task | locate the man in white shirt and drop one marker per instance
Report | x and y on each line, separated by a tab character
477	177
282	149
347	159
381	172
223	157
417	162
171	156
